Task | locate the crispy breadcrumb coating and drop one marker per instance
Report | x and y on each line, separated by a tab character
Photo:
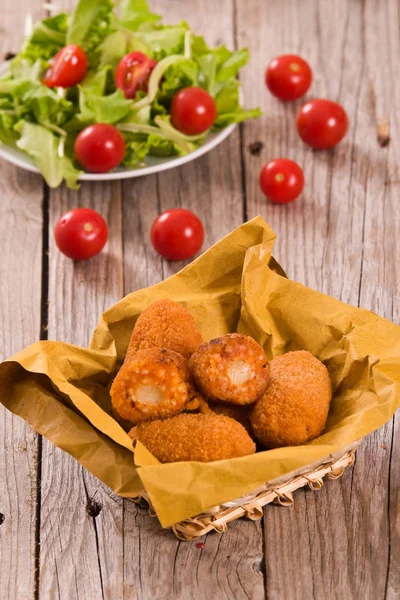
195	437
154	384
232	368
165	324
295	406
235	411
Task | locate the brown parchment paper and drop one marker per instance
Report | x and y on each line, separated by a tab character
62	390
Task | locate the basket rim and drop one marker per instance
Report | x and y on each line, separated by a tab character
278	491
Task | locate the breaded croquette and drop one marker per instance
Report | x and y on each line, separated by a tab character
165	324
154	384
235	411
195	437
295	406
232	368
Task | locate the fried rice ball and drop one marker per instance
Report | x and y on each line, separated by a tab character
196	437
165	324
154	384
232	368
235	411
295	406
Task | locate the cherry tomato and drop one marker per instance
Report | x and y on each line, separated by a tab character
193	111
288	77
99	148
81	233
322	123
282	180
177	234
67	68
133	73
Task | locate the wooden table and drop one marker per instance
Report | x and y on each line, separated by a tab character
62	533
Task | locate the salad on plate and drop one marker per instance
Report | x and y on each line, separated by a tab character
108	86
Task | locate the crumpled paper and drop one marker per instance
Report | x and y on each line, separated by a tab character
63	390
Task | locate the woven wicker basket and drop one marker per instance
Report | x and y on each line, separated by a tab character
279	491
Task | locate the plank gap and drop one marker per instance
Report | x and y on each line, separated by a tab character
388	507
241	136
44	300
44	319
38	518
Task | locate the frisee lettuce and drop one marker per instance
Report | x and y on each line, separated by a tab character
44	123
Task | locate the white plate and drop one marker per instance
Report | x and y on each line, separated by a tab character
153	164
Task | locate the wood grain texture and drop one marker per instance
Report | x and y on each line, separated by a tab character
229	566
81	521
20	297
339	238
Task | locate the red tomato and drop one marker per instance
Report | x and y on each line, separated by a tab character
288	77
322	123
177	234
133	73
193	111
99	148
281	180
67	68
81	233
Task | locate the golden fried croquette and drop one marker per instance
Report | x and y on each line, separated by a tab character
154	384
239	412
232	368
196	437
295	406
165	324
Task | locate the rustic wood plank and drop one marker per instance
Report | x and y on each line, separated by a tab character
20	297
340	238
380	283
81	520
228	566
81	534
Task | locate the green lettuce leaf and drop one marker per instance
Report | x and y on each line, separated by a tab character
8	120
165	41
227	99
91	23
230	67
141	115
135	152
153	145
48	37
95	82
103	109
229	110
217	65
237	116
117	44
165	148
48	108
136	13
42	146
22	68
113	48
